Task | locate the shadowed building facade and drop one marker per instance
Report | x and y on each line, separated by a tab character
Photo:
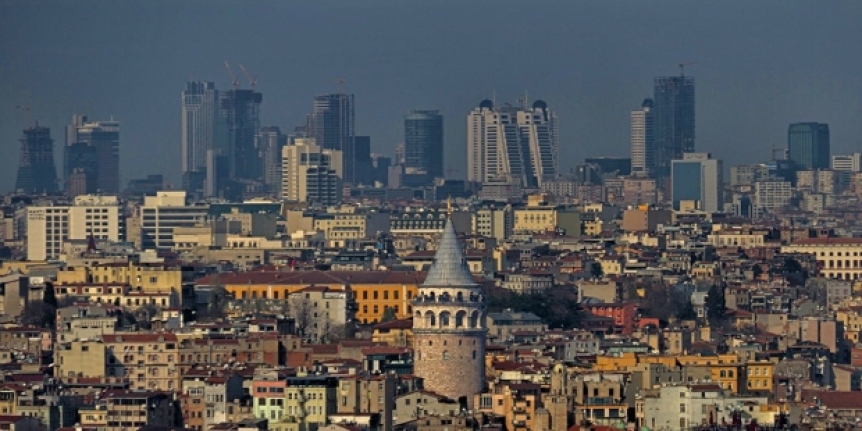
36	170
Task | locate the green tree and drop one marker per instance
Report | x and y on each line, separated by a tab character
388	315
38	313
715	306
49	296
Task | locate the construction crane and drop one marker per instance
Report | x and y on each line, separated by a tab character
252	82
233	79
682	66
26	110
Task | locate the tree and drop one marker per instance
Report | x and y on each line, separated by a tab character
301	312
715	306
388	315
145	314
49	296
596	270
40	314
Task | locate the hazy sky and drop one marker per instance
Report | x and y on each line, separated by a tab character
760	65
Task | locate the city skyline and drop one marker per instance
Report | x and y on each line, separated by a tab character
593	98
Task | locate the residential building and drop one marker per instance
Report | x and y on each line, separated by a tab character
496	223
36	171
808	146
643	140
311	173
423	142
770	195
698	177
847	163
513	145
323	314
119	409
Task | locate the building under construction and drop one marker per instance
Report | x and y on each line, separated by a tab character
36	170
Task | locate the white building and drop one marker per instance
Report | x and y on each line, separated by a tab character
164	212
515	145
643	140
49	227
310	173
684	407
849	163
202	129
770	195
323	313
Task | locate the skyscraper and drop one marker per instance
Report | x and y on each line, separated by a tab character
269	142
332	126
311	173
36	170
93	150
808	146
423	142
449	324
673	103
698	177
202	130
515	145
643	140
240	110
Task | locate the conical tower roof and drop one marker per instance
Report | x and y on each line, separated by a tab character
450	266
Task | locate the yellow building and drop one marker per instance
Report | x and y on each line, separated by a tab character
535	219
758	376
308	402
852	321
398	333
616	363
8	401
145	277
837	257
374	291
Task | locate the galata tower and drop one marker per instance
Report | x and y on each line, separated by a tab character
449	325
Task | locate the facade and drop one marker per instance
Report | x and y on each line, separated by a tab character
332	125
771	194
239	109
643	140
836	257
36	171
202	128
496	223
673	102
449	325
848	163
164	212
310	173
94	146
808	146
512	145
697	177
423	142
269	141
50	227
747	175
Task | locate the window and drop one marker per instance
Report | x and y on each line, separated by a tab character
682	408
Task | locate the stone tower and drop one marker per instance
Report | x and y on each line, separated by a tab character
449	325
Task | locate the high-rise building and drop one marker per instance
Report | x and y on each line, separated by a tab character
423	142
50	227
240	111
309	173
332	126
202	127
269	142
516	145
449	324
673	103
697	177
93	148
36	170
643	140
808	146
848	163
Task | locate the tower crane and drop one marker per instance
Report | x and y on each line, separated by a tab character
682	66
252	82
233	79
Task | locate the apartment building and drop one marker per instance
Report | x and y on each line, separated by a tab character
50	227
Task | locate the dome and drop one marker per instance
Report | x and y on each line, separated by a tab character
486	104
540	104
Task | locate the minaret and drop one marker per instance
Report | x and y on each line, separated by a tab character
449	324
